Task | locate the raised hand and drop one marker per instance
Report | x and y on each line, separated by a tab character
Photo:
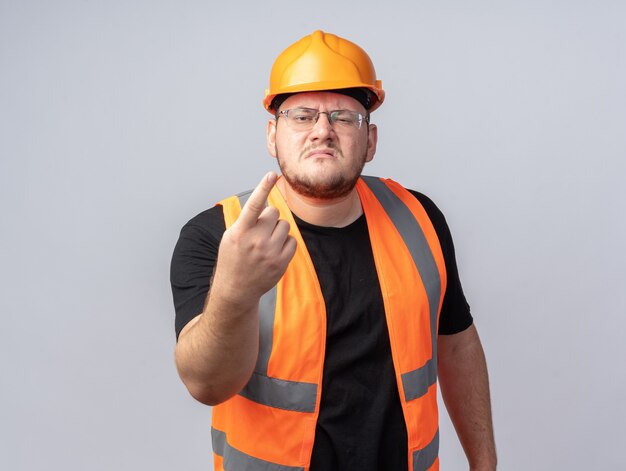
255	250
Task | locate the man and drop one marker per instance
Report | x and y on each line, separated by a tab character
334	299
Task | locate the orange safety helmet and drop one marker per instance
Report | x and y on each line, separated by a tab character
319	62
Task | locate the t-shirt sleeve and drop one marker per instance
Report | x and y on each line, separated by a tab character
455	311
193	262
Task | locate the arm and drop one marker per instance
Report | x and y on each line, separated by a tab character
465	390
217	351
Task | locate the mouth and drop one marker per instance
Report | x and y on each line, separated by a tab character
321	153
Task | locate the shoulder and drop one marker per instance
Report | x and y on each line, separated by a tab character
208	224
434	213
441	228
455	312
199	238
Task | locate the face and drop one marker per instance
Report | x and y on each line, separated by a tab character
323	162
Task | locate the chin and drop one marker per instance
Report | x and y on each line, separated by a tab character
323	189
321	181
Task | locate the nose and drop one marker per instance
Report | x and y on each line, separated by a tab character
323	128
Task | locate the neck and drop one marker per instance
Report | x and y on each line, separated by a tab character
338	212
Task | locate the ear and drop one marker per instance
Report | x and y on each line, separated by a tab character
372	140
271	137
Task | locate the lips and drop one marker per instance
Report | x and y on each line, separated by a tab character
321	153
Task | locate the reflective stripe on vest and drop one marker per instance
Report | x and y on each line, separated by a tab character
423	459
287	404
236	460
415	382
274	392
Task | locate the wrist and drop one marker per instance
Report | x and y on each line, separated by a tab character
232	299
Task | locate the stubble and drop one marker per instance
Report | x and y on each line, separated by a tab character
332	187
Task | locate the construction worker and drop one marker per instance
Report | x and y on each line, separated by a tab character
316	312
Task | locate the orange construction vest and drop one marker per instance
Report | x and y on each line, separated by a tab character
270	424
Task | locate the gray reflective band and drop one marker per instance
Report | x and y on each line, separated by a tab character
424	458
417	382
267	309
415	240
235	460
274	392
282	394
243	197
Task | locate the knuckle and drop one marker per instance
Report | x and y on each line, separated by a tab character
282	224
233	233
254	206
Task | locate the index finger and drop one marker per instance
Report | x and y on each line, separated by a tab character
257	201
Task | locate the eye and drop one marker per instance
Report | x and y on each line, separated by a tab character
302	115
344	117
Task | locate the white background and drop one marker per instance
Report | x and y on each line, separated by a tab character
120	120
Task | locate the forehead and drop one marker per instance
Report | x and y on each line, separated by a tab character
322	101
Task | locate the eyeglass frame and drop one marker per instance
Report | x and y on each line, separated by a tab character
361	117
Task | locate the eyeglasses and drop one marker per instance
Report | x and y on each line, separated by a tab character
303	119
